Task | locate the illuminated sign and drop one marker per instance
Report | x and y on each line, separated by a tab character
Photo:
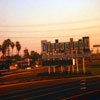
65	56
58	62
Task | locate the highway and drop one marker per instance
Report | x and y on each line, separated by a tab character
58	89
10	76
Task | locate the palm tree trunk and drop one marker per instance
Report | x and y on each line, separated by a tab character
12	52
18	53
8	52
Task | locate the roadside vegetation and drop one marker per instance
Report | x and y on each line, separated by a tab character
95	70
10	55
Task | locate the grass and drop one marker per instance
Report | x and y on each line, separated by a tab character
91	70
46	76
95	70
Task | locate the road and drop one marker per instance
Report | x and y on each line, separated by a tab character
87	88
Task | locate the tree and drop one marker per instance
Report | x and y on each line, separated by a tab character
6	47
35	57
26	53
18	46
0	48
12	46
8	44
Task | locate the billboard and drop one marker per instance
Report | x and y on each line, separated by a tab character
86	43
65	56
67	46
76	45
96	45
62	46
44	46
80	44
53	47
57	47
58	62
71	44
49	46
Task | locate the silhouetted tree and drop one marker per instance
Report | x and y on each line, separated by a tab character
6	47
0	48
18	46
12	46
8	44
34	57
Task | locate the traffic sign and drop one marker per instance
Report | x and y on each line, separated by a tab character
65	56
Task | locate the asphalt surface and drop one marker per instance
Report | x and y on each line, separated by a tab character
59	89
16	75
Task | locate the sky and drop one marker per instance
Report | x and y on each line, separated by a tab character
30	21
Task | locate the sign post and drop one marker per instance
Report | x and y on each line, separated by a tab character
49	70
54	69
61	69
77	68
69	69
72	59
83	65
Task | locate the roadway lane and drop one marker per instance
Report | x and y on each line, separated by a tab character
41	92
55	89
10	77
12	88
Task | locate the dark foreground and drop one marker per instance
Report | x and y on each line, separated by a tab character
58	89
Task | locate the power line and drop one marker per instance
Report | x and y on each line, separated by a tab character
50	24
57	30
35	37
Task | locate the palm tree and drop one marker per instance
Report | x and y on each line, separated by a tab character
18	46
8	44
0	48
5	47
12	46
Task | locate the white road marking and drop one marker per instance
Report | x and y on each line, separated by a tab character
83	88
83	84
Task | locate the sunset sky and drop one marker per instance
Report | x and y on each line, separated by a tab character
30	21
